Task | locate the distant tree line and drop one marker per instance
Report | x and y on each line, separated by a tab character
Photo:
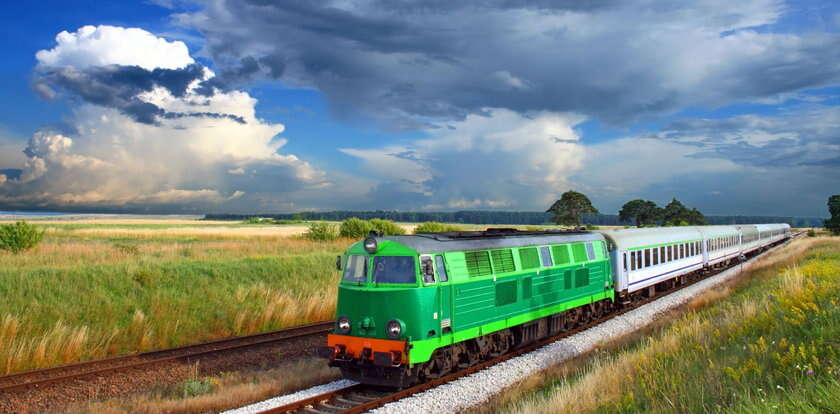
533	218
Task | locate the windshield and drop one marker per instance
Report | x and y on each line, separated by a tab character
356	269
394	269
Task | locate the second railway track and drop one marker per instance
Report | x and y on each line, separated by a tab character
65	373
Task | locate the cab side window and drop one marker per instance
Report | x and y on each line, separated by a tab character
545	255
427	269
441	269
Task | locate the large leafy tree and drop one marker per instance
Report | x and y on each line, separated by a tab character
676	214
833	224
642	212
568	209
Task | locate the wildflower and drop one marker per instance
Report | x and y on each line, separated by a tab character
779	387
809	372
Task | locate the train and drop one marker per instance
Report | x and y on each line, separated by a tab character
413	308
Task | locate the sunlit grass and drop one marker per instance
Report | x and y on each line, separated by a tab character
78	297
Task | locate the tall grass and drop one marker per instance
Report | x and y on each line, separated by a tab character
73	299
770	346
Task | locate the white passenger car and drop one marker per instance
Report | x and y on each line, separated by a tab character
722	243
644	257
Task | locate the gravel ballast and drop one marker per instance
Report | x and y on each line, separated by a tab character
480	387
290	398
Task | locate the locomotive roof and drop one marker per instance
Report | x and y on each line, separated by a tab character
491	239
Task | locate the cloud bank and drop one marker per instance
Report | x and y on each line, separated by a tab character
192	148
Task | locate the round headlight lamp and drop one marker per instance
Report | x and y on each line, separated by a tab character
343	325
394	328
370	245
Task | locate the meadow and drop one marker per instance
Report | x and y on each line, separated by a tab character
99	288
766	344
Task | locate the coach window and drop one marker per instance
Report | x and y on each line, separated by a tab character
545	255
632	261
624	261
682	251
655	256
647	258
639	262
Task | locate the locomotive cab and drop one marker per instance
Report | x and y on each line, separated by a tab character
387	300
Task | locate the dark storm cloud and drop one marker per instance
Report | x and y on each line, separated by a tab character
119	87
408	63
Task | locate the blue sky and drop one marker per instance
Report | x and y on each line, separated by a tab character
240	106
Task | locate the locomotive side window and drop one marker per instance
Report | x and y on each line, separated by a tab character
356	269
545	255
590	251
441	269
427	269
393	269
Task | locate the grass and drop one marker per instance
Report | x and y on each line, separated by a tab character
768	343
87	295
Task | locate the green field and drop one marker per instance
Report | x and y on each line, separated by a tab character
768	344
93	289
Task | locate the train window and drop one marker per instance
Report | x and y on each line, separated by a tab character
682	251
545	255
441	269
590	251
691	249
624	260
633	260
647	258
662	258
655	256
529	258
670	251
427	269
639	263
394	269
356	269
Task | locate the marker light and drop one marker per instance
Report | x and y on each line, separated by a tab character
370	245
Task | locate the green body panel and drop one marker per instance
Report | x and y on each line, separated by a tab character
473	306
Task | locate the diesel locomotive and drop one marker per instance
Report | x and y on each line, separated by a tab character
414	308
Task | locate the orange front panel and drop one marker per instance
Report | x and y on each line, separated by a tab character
354	345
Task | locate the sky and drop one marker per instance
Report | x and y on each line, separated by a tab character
180	106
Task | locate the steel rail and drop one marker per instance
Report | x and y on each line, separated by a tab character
41	377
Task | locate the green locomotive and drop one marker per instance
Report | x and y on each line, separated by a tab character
413	308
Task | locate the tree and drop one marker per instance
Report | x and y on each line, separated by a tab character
568	209
642	212
676	214
833	224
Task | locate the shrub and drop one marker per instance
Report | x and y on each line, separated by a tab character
195	387
812	233
355	228
594	227
435	227
321	231
19	236
386	227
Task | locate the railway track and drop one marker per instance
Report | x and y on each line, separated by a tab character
361	398
69	373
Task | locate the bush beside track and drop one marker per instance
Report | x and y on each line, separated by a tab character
769	347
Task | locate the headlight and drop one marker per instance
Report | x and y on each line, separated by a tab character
343	324
394	329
